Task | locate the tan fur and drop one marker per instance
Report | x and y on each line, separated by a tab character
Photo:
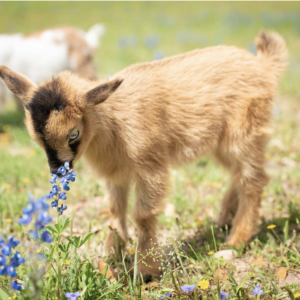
217	100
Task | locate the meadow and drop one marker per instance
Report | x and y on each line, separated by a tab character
144	31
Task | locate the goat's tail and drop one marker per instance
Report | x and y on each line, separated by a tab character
93	35
271	47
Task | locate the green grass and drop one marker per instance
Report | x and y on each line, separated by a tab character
196	189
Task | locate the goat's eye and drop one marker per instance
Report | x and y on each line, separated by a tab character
74	136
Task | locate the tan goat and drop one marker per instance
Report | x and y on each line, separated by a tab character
216	100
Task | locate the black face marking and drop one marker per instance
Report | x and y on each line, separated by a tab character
48	98
74	147
53	161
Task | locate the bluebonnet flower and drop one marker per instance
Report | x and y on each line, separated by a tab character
188	288
257	290
2	260
223	295
54	203
166	295
46	237
15	286
54	178
62	183
62	196
72	296
15	260
62	170
39	211
61	209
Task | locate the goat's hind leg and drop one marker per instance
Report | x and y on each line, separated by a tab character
250	179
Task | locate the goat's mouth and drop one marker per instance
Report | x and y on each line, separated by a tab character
54	166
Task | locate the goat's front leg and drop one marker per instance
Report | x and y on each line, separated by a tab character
150	190
117	195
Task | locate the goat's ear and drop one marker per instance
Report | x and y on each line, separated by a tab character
101	92
19	84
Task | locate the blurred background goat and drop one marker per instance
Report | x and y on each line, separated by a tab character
40	55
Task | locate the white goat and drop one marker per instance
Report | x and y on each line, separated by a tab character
42	54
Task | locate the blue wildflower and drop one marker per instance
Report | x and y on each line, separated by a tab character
25	219
43	217
46	237
11	271
1	241
55	190
257	290
30	208
62	170
223	295
3	270
61	209
67	165
54	178
15	286
54	203
16	260
166	295
62	196
72	296
50	195
39	209
2	260
65	186
12	242
6	250
188	288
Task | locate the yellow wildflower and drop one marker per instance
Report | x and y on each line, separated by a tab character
210	252
26	180
68	262
271	226
215	184
297	295
298	200
132	251
204	284
267	156
207	183
13	297
264	194
8	220
200	223
7	186
39	250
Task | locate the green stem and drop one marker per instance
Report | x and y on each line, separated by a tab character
58	271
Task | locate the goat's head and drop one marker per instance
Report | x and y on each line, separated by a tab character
56	111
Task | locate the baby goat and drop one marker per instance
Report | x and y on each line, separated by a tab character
149	116
40	55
